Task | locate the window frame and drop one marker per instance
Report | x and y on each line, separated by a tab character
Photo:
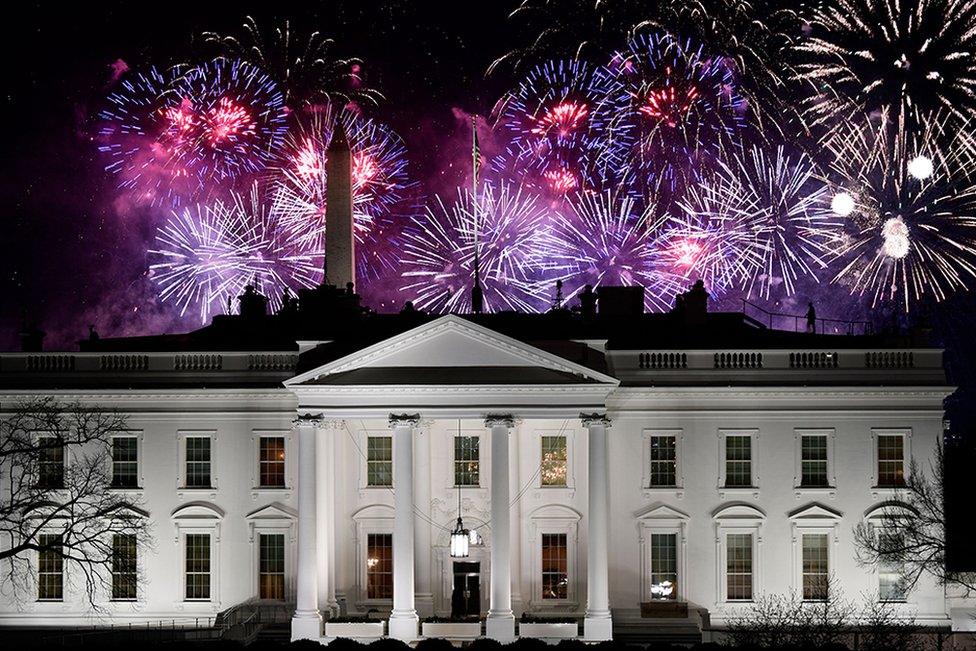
812	519
480	460
364	482
366	568
275	518
738	518
541	441
261	535
906	455
199	518
830	489
59	559
140	477
372	519
38	437
134	572
678	489
182	461
257	439
560	520
663	519
753	487
184	539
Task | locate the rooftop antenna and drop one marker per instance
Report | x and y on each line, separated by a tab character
477	295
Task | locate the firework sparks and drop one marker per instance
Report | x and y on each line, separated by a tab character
205	255
909	237
508	235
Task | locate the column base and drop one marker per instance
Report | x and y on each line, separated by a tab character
404	626
500	626
306	626
597	627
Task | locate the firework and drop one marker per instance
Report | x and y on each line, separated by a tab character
910	235
556	121
380	185
787	207
232	120
605	240
304	66
205	255
508	235
682	108
868	56
141	127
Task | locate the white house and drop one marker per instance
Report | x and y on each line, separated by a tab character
686	463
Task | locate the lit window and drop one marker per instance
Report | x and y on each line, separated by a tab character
813	461
891	460
50	568
664	566
271	459
198	462
379	566
271	566
379	461
738	461
664	461
125	462
124	566
197	566
467	461
50	462
891	573
738	551
815	567
555	577
554	466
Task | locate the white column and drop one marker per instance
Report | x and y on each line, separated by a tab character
422	540
325	512
403	619
500	624
598	624
306	624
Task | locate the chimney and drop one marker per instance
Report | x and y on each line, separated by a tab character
340	242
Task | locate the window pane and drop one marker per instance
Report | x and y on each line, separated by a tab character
50	463
813	461
554	461
467	460
124	559
739	566
198	462
663	470
50	568
197	566
664	566
125	462
379	461
271	566
271	459
379	566
891	573
555	578
815	569
891	460
738	461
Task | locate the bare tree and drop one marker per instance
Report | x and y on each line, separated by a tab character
56	500
911	531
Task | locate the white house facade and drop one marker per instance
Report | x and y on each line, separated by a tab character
624	474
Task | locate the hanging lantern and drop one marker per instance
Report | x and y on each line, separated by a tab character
459	540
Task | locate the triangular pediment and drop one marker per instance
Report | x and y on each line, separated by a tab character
273	511
661	512
451	350
815	512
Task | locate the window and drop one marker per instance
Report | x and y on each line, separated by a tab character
125	462
738	461
664	458
379	461
271	566
50	463
664	566
738	566
467	461
554	466
891	460
198	462
813	461
379	566
197	566
891	573
271	462
555	576
50	568
124	566
815	566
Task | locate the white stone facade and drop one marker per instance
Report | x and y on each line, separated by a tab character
601	506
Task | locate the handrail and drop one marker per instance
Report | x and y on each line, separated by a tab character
849	326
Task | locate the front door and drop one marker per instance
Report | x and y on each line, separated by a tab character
466	595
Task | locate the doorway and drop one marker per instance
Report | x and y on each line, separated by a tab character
466	594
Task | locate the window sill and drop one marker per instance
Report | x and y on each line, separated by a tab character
829	491
126	489
654	491
739	490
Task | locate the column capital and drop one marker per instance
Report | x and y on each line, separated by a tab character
404	420
307	419
595	419
496	420
332	423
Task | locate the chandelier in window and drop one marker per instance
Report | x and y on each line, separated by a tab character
460	537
